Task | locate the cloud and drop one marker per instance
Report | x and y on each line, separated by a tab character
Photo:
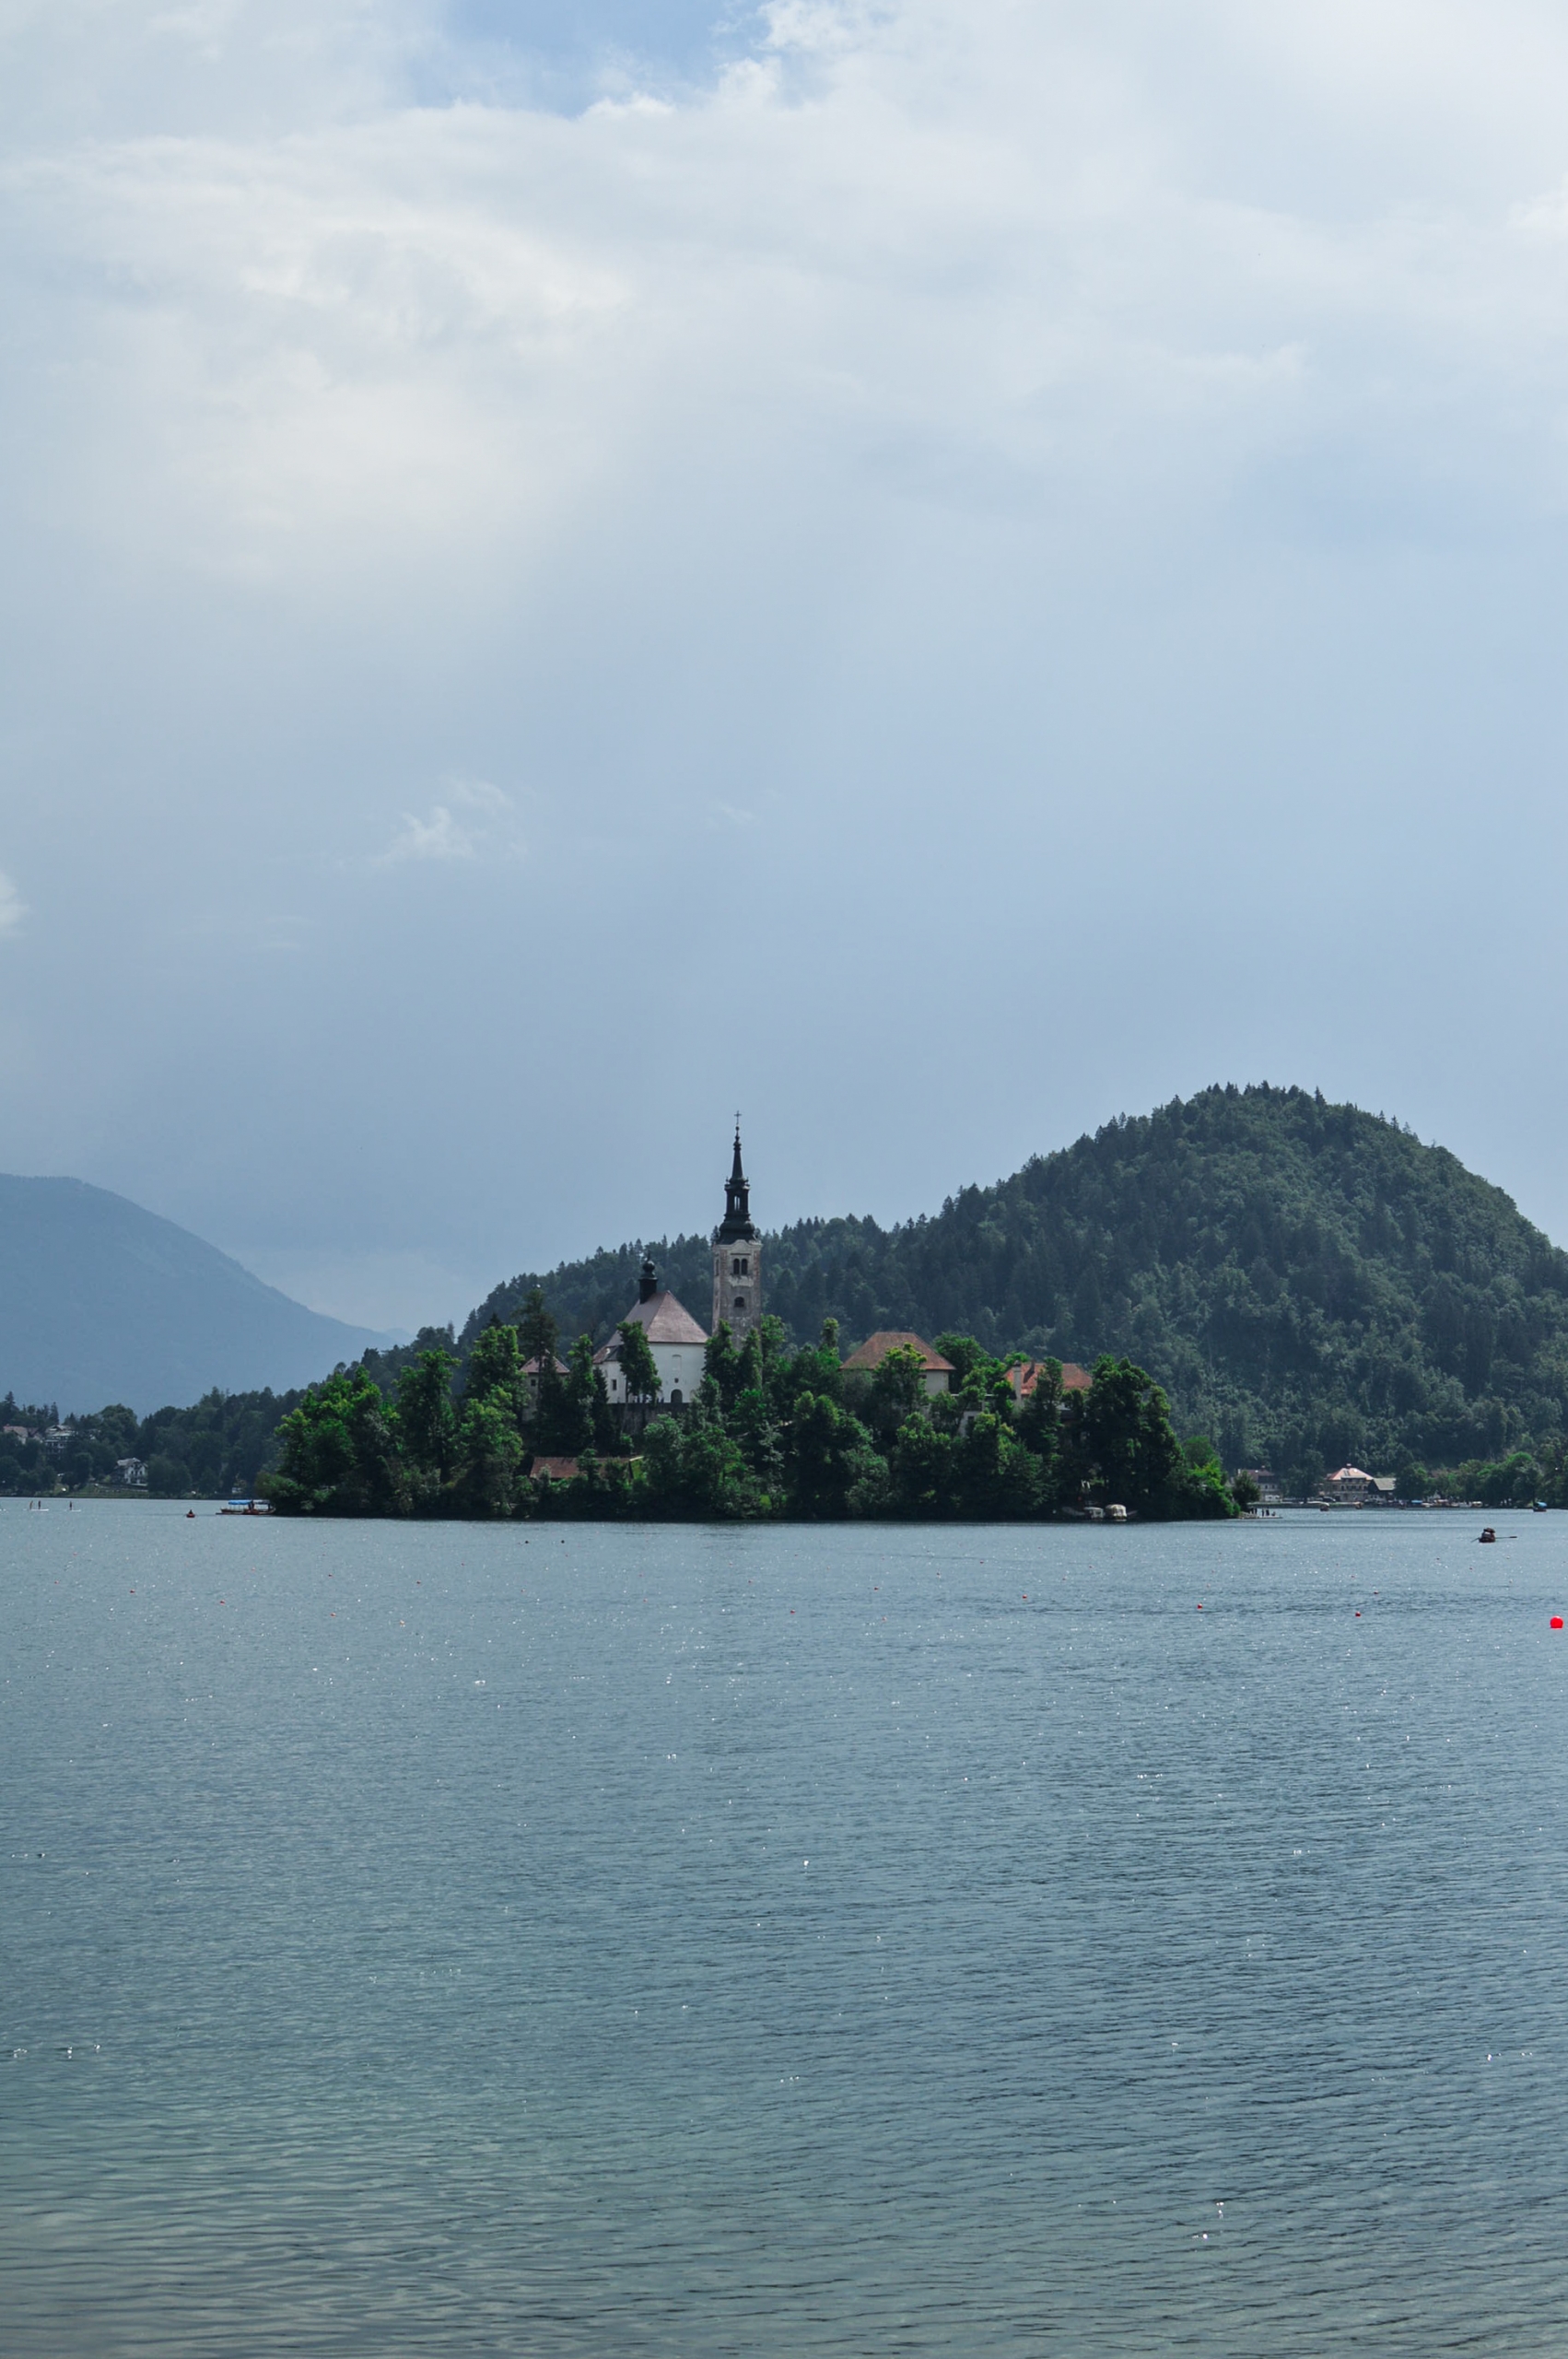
1063	469
484	828
13	909
972	255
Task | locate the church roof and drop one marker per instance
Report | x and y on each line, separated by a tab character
666	1319
875	1349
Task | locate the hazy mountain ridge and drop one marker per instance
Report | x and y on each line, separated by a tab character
1308	1281
102	1301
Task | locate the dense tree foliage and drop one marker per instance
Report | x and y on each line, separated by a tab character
1308	1282
770	1433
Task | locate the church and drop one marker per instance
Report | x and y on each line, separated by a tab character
674	1335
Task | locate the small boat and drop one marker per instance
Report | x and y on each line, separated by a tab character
1487	1534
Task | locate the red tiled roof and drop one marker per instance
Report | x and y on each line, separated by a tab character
875	1349
559	1470
530	1368
1024	1377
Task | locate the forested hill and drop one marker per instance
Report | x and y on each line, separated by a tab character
1309	1282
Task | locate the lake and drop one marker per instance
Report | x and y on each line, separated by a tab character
570	1941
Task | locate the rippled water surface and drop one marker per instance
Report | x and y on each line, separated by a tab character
465	1940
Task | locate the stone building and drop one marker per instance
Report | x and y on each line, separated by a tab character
737	1255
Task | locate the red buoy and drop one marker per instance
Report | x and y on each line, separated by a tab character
1557	1621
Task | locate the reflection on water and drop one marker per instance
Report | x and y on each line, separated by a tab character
460	1941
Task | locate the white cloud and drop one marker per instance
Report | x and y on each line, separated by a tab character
487	827
982	255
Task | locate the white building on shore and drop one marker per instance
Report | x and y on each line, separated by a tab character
674	1338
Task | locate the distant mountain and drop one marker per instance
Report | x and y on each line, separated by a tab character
101	1301
1308	1282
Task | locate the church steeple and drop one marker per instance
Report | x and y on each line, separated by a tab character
737	1219
737	1255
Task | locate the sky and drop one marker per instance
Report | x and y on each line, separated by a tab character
934	571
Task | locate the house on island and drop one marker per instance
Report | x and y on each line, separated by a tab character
674	1338
937	1374
531	1378
1028	1373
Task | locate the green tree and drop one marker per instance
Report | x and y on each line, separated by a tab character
1039	1427
340	1452
924	1483
639	1367
426	1418
715	1477
538	1334
490	1455
896	1392
818	1370
997	1478
662	1460
1132	1453
539	1341
827	1452
964	1352
495	1369
721	1364
582	1416
754	1428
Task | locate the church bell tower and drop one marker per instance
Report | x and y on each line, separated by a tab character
737	1255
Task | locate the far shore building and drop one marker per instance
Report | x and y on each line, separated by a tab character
1350	1485
937	1374
1269	1493
674	1338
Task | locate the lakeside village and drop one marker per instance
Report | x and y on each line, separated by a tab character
666	1418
